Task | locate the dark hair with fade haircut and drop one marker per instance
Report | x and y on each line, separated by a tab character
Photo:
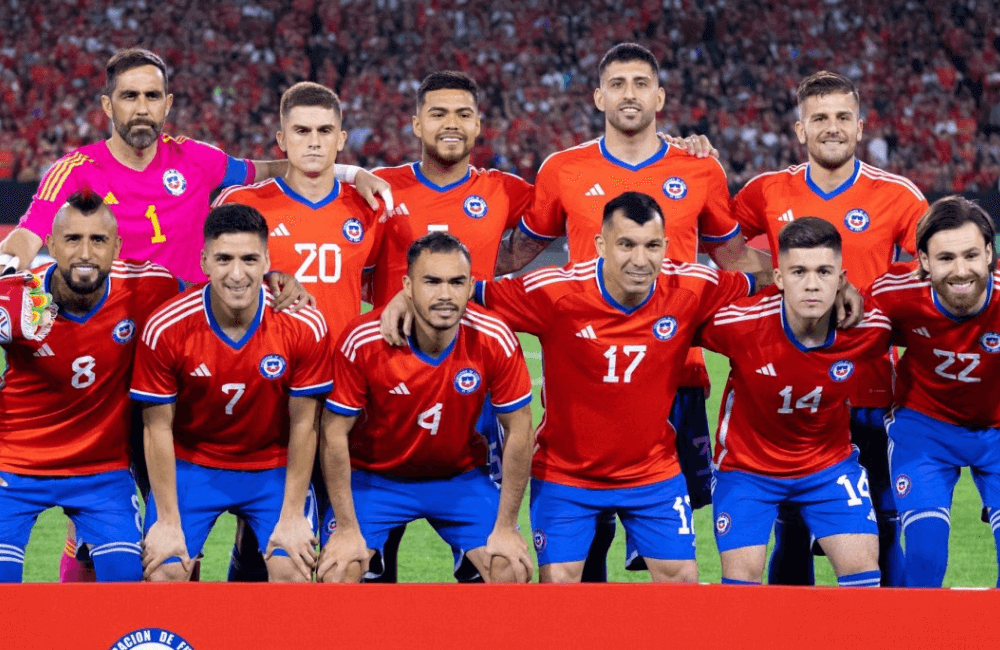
949	213
447	80
625	52
809	232
307	93
125	60
85	201
825	82
435	242
634	206
234	218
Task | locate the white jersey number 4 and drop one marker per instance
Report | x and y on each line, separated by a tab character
431	418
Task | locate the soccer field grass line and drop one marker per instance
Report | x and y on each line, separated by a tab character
424	557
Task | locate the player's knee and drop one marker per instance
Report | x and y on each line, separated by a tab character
561	572
673	570
173	572
351	575
501	570
282	569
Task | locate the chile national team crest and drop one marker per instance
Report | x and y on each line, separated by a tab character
273	366
723	524
675	188
354	230
151	638
538	537
123	331
857	220
665	328
990	342
841	370
467	381
903	485
6	327
475	206
174	181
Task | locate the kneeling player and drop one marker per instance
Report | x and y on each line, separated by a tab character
783	435
415	452
231	390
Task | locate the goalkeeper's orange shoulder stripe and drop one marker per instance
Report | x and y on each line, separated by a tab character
57	176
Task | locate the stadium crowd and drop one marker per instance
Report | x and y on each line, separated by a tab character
927	70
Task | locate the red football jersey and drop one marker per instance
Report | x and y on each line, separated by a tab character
574	185
610	372
327	244
477	210
873	210
65	404
231	396
785	411
951	366
419	412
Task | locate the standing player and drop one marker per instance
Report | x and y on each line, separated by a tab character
784	433
570	193
875	213
210	362
320	227
945	415
415	452
64	431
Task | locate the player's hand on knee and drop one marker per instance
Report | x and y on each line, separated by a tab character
397	320
509	556
294	535
344	558
288	292
162	542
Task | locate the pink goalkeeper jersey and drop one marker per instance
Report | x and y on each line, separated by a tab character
160	210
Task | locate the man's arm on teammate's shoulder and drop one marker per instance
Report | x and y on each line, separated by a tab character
294	533
288	292
850	306
346	545
698	145
165	538
734	255
517	250
506	550
21	245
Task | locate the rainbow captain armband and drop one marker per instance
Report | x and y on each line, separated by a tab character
26	310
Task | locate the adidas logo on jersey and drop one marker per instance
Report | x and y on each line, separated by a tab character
596	190
44	351
767	371
400	210
922	331
786	216
201	371
401	389
280	231
587	333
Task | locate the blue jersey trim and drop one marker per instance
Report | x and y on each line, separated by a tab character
721	238
512	406
479	296
65	314
752	281
342	409
308	391
656	157
531	233
614	303
439	188
961	319
295	196
843	187
830	336
149	398
427	358
236	172
254	326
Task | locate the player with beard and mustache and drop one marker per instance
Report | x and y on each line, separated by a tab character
64	433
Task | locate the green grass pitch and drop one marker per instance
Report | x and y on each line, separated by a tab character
424	557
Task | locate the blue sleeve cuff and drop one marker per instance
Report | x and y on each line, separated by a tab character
150	398
510	407
480	294
307	391
729	235
237	171
752	281
342	409
531	233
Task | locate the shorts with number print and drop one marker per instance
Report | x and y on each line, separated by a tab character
833	501
657	517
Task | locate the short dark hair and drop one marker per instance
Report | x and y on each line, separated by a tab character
435	242
85	201
634	206
307	93
234	218
809	232
125	60
953	212
825	82
625	52
447	80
